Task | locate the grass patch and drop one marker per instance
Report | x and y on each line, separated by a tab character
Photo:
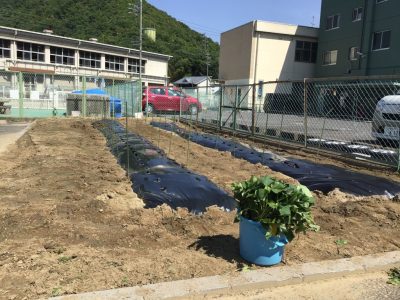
65	259
56	292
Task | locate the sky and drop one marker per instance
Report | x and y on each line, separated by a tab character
212	17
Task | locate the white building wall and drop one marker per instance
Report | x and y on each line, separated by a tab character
276	59
266	52
155	67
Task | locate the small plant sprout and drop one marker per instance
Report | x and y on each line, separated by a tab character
341	242
394	276
56	292
65	259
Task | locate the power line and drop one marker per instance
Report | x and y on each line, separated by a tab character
211	29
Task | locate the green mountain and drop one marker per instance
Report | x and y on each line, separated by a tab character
111	22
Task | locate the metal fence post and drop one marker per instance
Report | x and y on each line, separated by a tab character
305	112
84	96
126	137
398	154
253	110
234	108
126	100
113	94
20	95
221	100
198	99
266	105
135	106
53	95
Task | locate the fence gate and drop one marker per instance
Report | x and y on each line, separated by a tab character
236	110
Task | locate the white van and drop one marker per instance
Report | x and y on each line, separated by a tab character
386	120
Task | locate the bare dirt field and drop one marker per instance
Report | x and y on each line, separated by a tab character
69	221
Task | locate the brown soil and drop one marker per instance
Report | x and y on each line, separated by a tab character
70	223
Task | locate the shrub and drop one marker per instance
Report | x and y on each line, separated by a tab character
281	208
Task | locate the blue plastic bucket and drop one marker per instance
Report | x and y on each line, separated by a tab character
255	248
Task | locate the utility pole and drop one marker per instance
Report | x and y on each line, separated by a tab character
139	11
207	60
140	57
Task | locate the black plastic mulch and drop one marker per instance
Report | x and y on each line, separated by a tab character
157	179
320	177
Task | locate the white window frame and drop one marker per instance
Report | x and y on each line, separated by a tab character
381	1
353	53
333	19
373	39
330	52
356	12
4	49
64	55
92	57
115	63
133	65
29	54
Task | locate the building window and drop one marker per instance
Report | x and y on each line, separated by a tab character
115	63
332	22
380	1
5	48
31	81
306	52
133	65
89	59
353	53
62	56
381	40
330	57
357	14
29	51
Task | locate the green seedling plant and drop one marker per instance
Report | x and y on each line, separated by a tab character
394	276
65	259
341	242
281	208
56	292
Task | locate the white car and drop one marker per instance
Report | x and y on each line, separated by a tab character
386	120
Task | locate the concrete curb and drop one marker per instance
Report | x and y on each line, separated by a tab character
14	137
262	278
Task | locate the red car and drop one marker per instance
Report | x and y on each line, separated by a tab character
163	98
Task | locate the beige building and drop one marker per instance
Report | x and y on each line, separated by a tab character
262	51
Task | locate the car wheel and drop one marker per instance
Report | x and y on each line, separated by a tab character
193	109
149	109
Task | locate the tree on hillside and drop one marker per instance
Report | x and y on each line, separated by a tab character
110	22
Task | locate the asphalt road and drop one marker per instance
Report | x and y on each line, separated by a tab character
325	128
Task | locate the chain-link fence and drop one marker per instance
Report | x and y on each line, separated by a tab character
36	95
355	117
